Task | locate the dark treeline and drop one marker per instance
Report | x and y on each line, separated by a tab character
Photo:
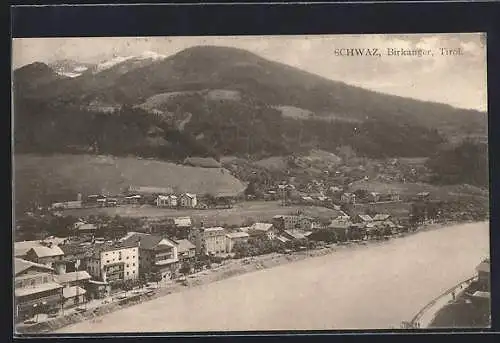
466	163
243	128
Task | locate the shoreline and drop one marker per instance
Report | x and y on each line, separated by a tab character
227	269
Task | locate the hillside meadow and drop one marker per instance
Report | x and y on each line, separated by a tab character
60	177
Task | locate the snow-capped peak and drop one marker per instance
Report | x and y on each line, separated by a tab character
152	55
119	59
112	62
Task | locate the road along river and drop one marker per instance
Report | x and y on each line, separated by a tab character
368	287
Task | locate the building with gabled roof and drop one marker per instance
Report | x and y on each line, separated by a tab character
157	254
263	229
209	240
113	262
188	200
21	248
186	251
35	289
381	217
233	238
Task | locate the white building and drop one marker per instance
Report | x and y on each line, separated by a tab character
188	200
166	200
209	240
114	262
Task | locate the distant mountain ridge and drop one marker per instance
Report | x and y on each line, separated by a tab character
252	94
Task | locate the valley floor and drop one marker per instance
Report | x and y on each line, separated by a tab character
237	215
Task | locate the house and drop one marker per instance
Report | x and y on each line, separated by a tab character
75	284
262	230
348	198
340	227
483	275
75	254
373	197
73	296
188	200
67	205
84	229
182	227
35	290
21	248
235	238
113	262
381	217
209	240
293	235
111	202
157	254
47	254
166	200
134	199
97	289
362	218
389	197
101	202
292	222
186	251
77	278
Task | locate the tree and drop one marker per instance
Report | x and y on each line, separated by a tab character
156	277
185	268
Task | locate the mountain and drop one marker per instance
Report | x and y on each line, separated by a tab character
71	68
30	77
220	100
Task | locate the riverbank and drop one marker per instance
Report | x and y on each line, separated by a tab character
229	269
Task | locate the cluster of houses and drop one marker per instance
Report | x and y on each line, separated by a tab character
58	275
158	196
62	272
164	197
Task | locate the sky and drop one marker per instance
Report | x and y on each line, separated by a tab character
459	81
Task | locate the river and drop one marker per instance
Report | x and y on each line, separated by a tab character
369	287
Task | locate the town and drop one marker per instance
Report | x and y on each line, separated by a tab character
95	264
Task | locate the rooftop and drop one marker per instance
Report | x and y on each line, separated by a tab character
44	287
21	265
261	226
21	248
70	292
381	217
165	197
147	241
214	229
184	245
295	234
237	235
182	221
80	275
45	251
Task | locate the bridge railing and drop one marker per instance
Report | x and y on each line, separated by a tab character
414	323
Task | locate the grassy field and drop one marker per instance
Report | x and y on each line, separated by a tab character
240	214
60	177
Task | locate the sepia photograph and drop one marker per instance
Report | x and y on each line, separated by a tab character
250	183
